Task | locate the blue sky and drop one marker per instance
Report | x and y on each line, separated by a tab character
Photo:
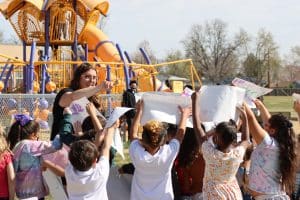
164	23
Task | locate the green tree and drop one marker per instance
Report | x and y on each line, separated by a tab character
180	69
263	62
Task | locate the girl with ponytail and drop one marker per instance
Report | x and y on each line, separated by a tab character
27	150
273	161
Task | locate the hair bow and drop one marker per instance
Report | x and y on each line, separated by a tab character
23	119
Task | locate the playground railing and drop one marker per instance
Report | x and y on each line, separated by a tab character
11	104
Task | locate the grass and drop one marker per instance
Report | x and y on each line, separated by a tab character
282	104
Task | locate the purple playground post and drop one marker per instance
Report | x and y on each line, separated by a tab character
125	66
29	79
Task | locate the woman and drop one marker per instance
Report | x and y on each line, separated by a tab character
222	157
84	84
273	161
153	160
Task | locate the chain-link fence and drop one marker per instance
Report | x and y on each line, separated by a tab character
39	106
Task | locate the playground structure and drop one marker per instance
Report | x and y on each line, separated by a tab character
60	26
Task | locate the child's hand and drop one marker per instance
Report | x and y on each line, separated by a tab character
77	129
106	85
258	104
195	95
90	108
139	106
242	111
297	106
186	112
44	165
67	110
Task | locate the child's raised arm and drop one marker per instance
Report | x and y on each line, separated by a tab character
185	113
245	127
200	133
108	139
257	132
264	112
133	133
57	170
90	108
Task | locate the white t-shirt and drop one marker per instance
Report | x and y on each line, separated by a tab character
88	185
152	175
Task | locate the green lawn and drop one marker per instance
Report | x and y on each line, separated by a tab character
280	104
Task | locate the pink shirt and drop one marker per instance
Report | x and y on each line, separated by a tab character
5	159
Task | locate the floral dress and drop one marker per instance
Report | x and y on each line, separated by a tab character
220	181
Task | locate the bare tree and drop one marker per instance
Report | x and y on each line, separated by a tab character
138	57
214	54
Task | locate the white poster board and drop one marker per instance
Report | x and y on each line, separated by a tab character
54	182
55	185
163	106
115	115
252	90
217	104
118	185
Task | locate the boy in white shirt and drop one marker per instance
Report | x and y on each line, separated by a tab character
153	159
86	179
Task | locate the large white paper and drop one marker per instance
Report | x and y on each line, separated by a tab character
118	185
78	109
117	143
218	103
55	185
163	107
115	115
252	90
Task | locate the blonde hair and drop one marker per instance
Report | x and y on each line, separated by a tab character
153	133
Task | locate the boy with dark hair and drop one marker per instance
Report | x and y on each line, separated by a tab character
85	176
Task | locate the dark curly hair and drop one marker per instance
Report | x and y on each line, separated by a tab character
189	149
285	136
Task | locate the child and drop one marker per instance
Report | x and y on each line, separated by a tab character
85	177
222	159
153	160
23	139
92	125
7	174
